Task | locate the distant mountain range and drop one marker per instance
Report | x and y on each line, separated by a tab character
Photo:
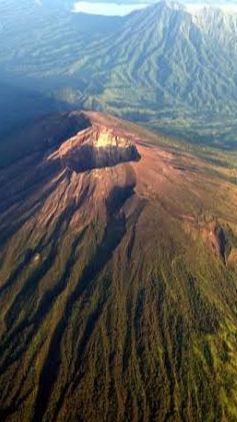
162	66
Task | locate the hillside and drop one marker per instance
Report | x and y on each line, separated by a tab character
163	66
117	278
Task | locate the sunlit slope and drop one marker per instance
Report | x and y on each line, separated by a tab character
117	284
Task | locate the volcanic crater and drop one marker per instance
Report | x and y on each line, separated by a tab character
97	144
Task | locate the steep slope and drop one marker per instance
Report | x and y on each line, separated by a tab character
161	66
117	282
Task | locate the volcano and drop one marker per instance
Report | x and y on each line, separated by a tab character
118	265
